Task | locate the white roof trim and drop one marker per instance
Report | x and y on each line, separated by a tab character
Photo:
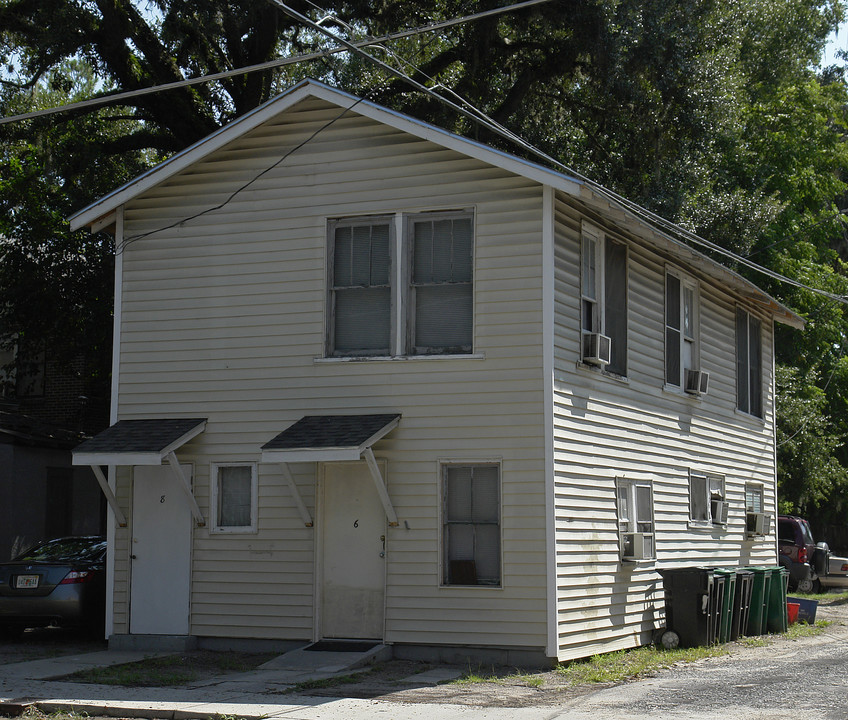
281	103
98	213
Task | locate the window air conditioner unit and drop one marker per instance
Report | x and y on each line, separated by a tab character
697	382
718	508
758	523
597	349
635	546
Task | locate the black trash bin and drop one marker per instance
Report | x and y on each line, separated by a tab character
692	604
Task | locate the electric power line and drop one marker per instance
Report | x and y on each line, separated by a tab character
118	98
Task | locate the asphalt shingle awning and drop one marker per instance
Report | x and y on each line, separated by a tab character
138	442
324	438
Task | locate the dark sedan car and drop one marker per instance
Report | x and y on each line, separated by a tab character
58	582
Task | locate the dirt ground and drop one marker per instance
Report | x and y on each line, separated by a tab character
512	688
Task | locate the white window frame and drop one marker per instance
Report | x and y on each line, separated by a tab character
332	226
402	290
627	513
215	527
745	364
597	323
710	487
686	284
444	550
409	298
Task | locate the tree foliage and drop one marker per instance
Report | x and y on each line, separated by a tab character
712	113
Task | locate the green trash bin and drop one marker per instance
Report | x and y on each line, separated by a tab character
777	617
728	604
758	612
716	606
741	603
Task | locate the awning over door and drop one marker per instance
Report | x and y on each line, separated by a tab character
327	438
140	442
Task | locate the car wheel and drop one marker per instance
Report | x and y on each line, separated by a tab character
809	585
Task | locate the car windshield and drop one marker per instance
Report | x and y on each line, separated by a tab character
807	533
65	550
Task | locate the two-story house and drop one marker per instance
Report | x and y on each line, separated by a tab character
374	380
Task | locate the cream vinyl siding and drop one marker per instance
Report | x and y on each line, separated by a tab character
224	318
606	428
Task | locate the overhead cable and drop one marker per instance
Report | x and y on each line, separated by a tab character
118	98
478	115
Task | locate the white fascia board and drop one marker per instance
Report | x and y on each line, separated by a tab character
179	442
697	260
118	458
310	88
311	455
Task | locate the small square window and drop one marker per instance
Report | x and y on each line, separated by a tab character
471	524
635	519
234	498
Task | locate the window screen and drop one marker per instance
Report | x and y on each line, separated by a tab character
234	491
361	289
442	285
472	525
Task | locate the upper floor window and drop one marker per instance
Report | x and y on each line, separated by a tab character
361	292
681	328
749	371
440	295
371	313
603	300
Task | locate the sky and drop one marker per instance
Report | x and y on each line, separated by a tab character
837	41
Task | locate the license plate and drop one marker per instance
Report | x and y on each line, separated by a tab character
26	581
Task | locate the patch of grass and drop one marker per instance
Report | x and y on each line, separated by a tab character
755	641
35	713
800	630
172	670
330	682
629	664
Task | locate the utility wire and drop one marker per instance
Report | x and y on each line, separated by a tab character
478	115
118	98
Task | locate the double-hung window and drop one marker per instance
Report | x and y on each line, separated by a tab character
707	504
361	291
440	293
749	370
681	328
603	296
396	292
471	524
234	502
635	519
757	522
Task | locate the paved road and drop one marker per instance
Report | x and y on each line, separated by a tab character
802	679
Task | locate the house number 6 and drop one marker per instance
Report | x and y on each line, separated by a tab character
162	499
356	523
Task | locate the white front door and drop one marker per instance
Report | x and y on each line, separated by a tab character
160	553
353	570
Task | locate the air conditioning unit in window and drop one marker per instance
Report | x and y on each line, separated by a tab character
697	382
758	523
597	349
718	508
635	546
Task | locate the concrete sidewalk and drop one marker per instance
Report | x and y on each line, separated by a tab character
257	694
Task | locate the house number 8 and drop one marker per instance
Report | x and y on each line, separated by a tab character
162	499
356	523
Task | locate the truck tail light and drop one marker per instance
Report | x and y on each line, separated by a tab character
802	555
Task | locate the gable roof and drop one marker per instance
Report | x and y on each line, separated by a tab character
98	215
